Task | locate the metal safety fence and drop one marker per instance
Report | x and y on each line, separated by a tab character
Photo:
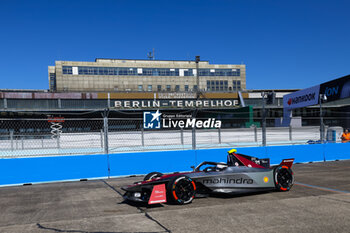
81	136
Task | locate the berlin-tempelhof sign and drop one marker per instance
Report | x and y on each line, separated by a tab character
221	103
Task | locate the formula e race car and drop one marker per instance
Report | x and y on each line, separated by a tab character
241	174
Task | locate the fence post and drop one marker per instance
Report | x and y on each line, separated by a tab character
325	129
219	135
263	120
11	138
290	133
320	99
193	138
255	133
58	139
105	131
142	136
101	137
263	129
182	136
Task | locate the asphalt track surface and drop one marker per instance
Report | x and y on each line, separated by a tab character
318	202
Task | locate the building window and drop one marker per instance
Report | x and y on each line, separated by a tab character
168	87
67	70
86	70
159	87
195	87
219	72
217	85
177	88
140	88
188	72
53	81
239	85
186	87
147	71
236	85
122	71
131	71
204	72
149	87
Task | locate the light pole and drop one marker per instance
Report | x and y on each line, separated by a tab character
263	128
196	109
322	97
197	73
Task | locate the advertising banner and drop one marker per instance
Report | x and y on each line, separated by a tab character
302	98
177	103
336	89
333	90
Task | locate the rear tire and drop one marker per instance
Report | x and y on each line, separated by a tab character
284	178
152	175
181	190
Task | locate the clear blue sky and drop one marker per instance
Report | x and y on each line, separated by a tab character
284	44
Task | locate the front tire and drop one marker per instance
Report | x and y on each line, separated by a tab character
181	190
284	178
152	175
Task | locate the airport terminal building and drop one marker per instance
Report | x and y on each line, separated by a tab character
127	75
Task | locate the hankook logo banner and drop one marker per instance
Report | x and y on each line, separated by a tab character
302	98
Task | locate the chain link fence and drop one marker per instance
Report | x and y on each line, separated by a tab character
58	136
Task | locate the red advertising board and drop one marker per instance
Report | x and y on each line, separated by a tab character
56	119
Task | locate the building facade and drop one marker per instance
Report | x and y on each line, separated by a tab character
122	75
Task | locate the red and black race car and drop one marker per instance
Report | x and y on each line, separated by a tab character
241	174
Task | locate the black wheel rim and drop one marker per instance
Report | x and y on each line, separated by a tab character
284	178
184	190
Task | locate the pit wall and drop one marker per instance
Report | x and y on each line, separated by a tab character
18	171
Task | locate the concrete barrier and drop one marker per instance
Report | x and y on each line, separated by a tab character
17	171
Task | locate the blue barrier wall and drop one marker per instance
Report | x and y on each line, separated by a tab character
145	162
46	169
60	168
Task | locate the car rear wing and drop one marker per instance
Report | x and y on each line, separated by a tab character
251	161
246	160
287	162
